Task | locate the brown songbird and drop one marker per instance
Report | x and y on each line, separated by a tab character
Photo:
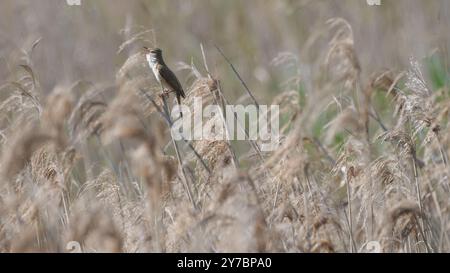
163	74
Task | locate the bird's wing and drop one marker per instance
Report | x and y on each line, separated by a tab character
171	80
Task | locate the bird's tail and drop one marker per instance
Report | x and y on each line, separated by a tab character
179	105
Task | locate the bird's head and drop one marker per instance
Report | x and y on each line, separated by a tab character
154	53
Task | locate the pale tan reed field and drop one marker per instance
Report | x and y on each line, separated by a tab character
86	155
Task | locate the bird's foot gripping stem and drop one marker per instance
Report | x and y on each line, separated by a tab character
165	93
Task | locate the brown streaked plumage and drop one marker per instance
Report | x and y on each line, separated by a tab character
162	73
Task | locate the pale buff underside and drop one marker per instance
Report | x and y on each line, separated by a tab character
155	68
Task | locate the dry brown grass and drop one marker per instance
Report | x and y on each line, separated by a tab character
95	163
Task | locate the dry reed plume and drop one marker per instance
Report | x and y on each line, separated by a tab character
363	156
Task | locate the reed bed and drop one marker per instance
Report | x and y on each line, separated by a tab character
361	166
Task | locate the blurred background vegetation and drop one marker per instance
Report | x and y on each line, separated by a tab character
346	146
81	42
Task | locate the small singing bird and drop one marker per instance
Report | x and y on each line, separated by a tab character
163	74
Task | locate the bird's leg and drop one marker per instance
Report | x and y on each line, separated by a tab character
164	91
168	91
